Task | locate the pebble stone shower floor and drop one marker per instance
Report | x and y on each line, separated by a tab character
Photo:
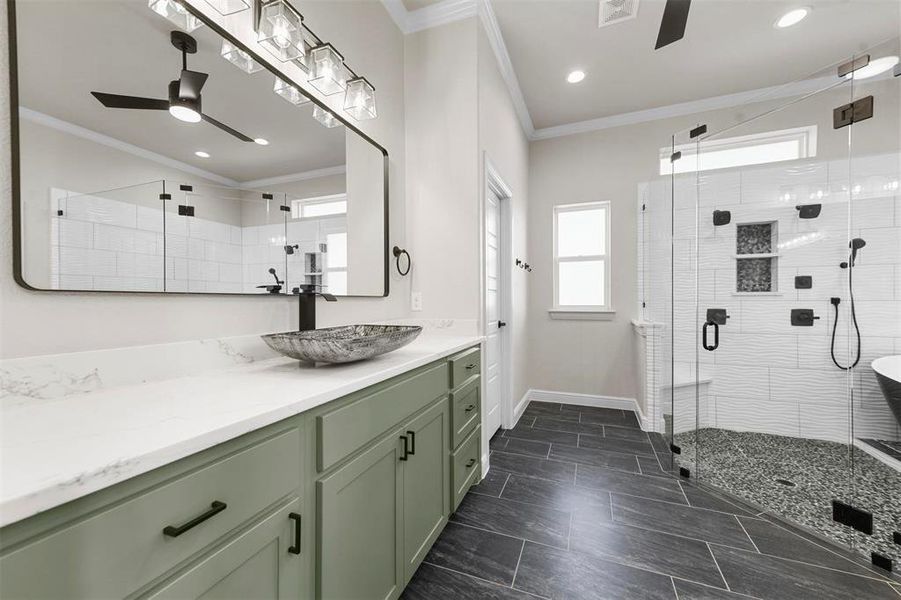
578	505
748	465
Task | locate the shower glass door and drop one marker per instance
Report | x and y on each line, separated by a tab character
873	277
770	225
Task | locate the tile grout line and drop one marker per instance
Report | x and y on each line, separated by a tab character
569	532
506	535
503	487
684	495
477	578
709	549
518	560
742	525
675	591
713	587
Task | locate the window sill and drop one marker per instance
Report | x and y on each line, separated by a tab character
581	314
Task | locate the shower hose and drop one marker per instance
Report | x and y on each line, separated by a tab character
853	319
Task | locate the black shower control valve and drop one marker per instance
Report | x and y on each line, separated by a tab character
721	217
835	301
803	317
803	282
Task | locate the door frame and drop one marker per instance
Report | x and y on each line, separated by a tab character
493	181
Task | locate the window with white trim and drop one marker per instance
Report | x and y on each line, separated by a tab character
742	151
582	257
322	206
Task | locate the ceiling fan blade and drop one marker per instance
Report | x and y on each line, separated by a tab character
190	84
226	128
117	101
672	26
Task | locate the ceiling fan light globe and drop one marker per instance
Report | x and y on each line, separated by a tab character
184	113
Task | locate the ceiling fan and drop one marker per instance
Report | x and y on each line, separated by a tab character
184	101
672	26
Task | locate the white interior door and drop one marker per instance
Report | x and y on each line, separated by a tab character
493	347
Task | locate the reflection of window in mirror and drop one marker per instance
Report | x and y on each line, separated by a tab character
318	227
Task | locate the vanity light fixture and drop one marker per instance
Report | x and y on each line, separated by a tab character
202	154
792	17
175	12
327	72
289	92
359	99
575	76
239	58
228	7
280	30
875	67
261	141
325	117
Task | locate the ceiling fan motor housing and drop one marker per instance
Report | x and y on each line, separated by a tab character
176	100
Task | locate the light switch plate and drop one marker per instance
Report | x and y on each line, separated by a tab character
416	301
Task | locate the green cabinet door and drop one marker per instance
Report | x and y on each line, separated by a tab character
426	477
256	564
358	529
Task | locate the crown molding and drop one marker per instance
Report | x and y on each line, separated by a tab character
800	88
427	17
294	177
111	142
493	31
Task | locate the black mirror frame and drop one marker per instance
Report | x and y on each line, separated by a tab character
16	199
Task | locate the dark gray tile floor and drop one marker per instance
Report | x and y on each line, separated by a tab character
577	505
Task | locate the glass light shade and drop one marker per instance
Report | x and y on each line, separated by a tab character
359	99
229	7
325	117
239	58
280	31
289	92
327	70
176	13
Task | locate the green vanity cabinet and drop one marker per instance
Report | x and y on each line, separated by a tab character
260	563
341	502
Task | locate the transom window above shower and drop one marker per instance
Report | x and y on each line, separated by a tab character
756	261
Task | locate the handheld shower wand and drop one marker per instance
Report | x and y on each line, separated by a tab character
855	245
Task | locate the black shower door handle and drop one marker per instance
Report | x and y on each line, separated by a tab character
716	336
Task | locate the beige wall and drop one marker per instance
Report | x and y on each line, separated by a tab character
442	158
501	138
34	323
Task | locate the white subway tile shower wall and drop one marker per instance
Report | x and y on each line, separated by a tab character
768	375
105	244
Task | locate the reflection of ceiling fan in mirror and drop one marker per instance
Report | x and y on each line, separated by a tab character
184	101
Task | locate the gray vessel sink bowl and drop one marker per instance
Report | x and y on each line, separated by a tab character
344	344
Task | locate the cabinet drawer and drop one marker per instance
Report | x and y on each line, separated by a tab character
123	548
465	410
352	426
465	467
465	365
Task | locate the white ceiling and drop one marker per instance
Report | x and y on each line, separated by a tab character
730	46
412	5
67	49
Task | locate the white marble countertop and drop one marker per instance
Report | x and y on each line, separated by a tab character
54	450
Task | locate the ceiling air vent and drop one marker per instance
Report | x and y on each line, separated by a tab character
616	11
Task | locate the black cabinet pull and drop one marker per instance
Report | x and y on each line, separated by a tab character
176	530
716	336
412	435
406	448
501	324
470	366
469	408
471	462
295	549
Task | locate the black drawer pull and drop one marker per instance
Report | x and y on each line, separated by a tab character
469	408
471	366
215	508
412	435
295	549
406	447
471	462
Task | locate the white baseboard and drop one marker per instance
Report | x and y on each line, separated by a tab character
585	400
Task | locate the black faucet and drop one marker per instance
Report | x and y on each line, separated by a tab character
273	289
306	305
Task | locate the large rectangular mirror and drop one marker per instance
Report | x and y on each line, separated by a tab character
116	193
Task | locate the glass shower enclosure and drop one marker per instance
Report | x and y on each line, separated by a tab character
773	258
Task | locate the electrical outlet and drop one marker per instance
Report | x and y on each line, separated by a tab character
416	301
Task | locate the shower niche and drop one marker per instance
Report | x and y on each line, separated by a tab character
755	257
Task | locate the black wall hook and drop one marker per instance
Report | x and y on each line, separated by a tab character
398	252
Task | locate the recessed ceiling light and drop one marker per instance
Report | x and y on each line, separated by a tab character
202	154
262	141
575	76
792	17
880	65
